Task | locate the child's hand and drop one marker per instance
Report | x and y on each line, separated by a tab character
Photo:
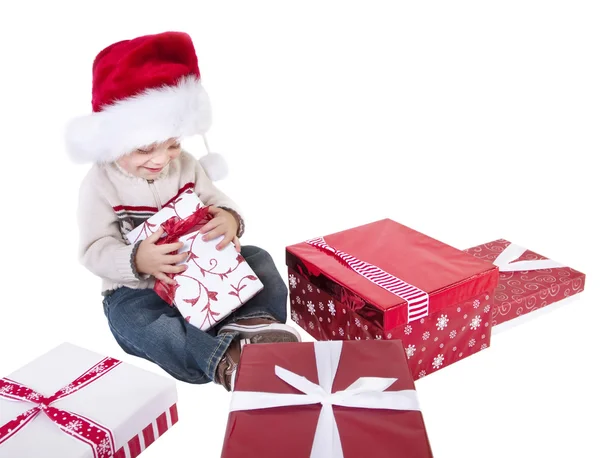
223	223
155	259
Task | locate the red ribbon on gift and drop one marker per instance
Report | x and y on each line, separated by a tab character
175	228
98	437
416	298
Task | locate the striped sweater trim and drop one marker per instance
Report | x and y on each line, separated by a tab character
124	214
139	210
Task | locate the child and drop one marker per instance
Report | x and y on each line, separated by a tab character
146	96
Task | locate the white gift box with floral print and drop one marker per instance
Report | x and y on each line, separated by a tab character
216	282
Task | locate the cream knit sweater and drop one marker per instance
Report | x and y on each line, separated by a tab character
112	202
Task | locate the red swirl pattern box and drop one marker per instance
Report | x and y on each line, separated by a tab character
216	282
383	280
528	280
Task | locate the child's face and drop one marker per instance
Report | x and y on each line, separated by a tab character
149	161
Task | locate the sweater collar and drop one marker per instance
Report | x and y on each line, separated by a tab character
121	171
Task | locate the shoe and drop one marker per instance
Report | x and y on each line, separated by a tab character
228	365
262	330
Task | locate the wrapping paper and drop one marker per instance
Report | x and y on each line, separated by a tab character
216	282
339	399
181	207
334	302
521	291
127	408
430	343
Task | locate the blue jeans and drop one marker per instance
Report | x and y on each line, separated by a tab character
146	326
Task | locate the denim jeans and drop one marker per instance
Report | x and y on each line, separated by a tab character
146	326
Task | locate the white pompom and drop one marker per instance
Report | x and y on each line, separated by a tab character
214	165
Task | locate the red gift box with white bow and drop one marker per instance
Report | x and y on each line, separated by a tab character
325	399
528	281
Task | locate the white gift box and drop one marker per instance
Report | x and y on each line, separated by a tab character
216	282
116	410
183	206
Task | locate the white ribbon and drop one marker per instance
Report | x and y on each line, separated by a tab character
512	252
365	392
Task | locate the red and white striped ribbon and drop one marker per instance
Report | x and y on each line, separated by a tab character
140	442
97	436
417	299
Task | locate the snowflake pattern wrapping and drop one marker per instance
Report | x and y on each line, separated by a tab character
422	340
52	406
521	292
216	282
359	308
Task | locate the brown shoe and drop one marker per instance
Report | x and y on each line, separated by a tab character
228	365
262	330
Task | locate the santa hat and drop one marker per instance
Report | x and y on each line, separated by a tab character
145	90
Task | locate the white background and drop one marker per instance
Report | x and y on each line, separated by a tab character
468	121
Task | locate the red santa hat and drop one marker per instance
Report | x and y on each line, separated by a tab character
144	90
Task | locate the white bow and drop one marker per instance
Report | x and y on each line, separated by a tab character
512	252
365	392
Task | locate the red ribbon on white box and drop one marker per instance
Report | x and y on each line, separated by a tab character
97	436
365	393
512	252
417	299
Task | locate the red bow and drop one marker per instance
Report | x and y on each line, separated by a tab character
175	228
98	437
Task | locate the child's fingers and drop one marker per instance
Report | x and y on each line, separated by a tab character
237	244
170	247
170	269
164	278
229	236
172	259
155	236
213	223
216	232
214	210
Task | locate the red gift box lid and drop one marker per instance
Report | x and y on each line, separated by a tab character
288	431
447	274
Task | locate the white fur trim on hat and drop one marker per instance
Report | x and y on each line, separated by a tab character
152	116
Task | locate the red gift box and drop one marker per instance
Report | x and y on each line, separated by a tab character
383	280
528	281
325	399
